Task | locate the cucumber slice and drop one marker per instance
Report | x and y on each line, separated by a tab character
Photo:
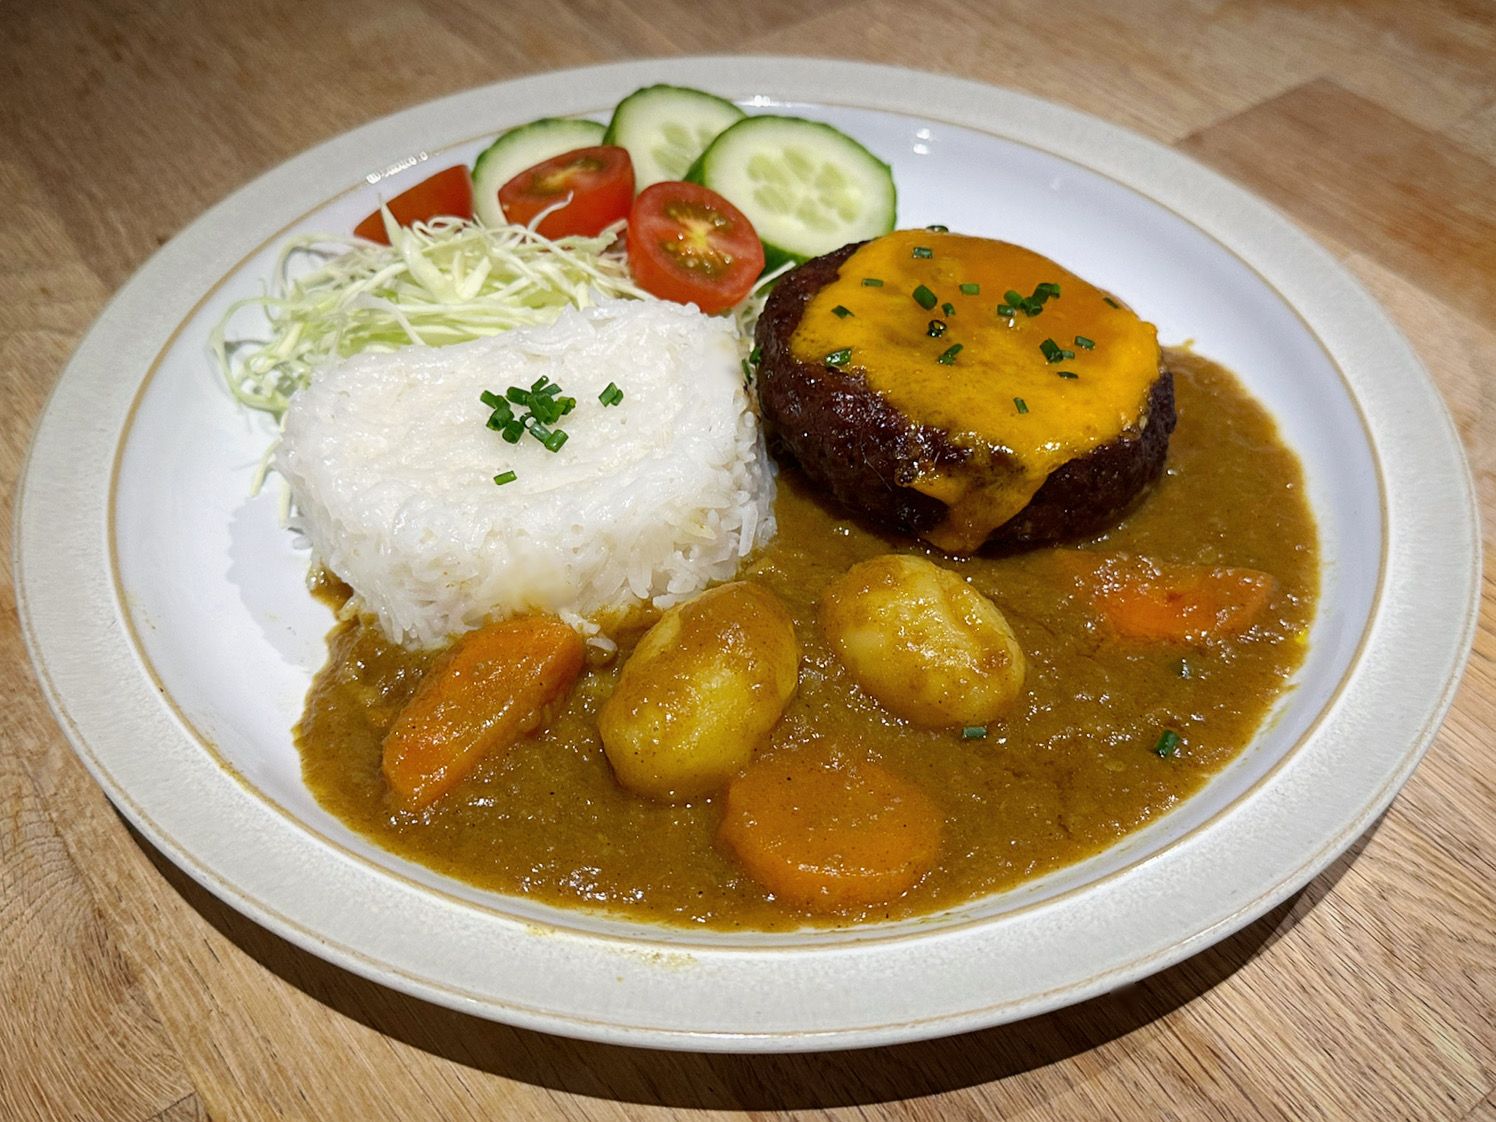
665	128
806	187
523	147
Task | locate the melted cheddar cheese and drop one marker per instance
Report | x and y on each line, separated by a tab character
1005	401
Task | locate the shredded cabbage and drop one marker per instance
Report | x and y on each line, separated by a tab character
439	282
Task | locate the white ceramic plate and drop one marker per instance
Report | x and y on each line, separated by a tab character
166	612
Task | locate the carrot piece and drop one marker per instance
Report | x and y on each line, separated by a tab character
1178	603
829	834
490	689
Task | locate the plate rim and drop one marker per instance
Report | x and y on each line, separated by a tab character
800	79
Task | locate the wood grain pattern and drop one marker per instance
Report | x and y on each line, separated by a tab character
126	992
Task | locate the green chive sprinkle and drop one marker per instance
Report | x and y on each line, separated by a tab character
497	420
517	395
1033	308
539	384
567	405
1168	744
947	357
1053	352
871	282
505	477
610	396
841	311
971	289
1020	405
513	431
1084	343
555	440
839	358
923	252
1112	302
1068	374
1005	310
939	229
490	399
1047	288
974	732
925	298
1014	297
948	309
935	329
756	355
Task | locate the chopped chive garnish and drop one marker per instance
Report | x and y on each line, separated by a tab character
948	356
841	311
1084	343
567	405
935	329
1014	297
611	396
517	395
923	252
1168	744
925	298
1005	310
871	282
974	732
1032	308
1112	302
1020	405
948	308
971	289
1069	374
490	399
1047	288
755	355
554	441
939	229
513	431
839	358
539	384
498	419
537	428
1053	352
505	477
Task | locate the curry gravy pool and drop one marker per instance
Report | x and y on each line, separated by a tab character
1068	772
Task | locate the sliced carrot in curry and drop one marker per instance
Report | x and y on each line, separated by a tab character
827	834
1178	603
493	687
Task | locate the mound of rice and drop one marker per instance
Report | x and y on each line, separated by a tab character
391	469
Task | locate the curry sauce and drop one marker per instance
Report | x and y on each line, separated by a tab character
1070	770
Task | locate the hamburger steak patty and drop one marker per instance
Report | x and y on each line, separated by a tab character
852	441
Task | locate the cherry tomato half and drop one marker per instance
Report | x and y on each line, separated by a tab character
690	245
447	192
599	180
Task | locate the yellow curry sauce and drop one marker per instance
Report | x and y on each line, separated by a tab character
955	350
1067	773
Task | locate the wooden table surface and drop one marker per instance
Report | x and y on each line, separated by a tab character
126	992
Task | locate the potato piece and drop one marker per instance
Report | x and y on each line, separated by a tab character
927	645
700	692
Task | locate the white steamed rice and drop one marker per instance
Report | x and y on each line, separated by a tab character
391	466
